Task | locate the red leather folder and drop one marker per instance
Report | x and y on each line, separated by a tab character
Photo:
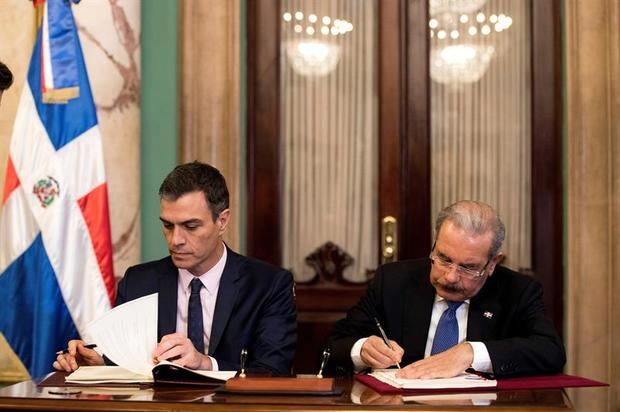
530	382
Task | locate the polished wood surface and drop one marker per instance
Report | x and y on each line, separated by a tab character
355	396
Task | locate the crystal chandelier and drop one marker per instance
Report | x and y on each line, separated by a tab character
455	6
463	40
312	47
462	63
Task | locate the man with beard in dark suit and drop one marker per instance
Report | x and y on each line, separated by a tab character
456	309
212	301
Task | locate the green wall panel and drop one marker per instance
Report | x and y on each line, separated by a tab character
159	100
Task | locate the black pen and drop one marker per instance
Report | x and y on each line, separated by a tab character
485	375
89	346
385	338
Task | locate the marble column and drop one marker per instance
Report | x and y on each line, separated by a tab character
209	92
593	198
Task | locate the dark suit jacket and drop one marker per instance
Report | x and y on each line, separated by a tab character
507	315
255	309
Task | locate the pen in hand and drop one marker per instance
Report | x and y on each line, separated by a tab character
385	338
89	346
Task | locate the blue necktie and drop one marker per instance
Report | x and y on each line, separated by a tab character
195	328
447	333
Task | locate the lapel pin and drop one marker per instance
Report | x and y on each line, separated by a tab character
488	315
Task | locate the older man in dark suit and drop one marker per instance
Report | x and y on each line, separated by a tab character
455	310
213	302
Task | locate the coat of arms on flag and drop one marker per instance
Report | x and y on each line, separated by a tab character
55	247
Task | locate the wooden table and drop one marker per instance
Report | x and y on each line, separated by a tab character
355	396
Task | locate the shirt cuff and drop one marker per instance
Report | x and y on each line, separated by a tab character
482	360
356	355
214	366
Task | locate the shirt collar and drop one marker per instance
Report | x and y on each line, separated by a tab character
440	299
210	279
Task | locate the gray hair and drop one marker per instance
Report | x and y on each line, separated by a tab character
476	218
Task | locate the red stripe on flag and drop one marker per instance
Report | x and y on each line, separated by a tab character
11	181
94	207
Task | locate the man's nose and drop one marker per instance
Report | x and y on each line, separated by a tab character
452	274
177	236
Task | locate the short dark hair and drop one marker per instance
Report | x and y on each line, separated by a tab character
6	77
197	177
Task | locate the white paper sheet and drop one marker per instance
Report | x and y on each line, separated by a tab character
465	380
105	374
127	334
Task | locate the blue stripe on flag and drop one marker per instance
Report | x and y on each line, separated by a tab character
35	320
62	38
63	122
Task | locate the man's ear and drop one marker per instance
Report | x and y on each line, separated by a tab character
222	220
494	262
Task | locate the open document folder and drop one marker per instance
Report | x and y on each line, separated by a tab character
127	335
164	373
463	381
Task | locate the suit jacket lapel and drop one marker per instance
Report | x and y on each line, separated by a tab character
226	298
418	305
484	312
167	302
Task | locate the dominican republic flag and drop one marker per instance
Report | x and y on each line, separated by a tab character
55	250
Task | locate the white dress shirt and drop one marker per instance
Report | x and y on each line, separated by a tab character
482	360
208	296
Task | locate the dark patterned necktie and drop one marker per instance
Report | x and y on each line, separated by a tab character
195	328
447	333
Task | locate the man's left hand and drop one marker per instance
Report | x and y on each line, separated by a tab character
178	349
443	365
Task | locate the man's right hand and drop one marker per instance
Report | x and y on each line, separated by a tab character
376	354
76	356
